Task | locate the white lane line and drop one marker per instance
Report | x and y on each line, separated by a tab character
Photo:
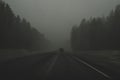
52	64
107	76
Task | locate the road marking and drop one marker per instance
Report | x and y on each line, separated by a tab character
52	64
107	76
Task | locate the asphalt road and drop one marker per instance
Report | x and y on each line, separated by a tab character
50	66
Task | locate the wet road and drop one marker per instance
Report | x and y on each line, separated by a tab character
50	66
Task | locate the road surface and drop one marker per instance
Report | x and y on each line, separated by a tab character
50	66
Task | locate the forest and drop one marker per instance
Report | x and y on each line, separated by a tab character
17	33
97	33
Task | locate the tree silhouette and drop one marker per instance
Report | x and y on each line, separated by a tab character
17	33
102	33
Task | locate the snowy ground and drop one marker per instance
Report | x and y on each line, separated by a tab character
9	54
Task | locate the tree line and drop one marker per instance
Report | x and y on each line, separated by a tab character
98	33
17	33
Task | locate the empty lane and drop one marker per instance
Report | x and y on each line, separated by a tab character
50	66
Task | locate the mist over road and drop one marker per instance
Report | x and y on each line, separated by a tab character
50	66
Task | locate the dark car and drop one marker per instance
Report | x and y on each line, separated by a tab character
61	50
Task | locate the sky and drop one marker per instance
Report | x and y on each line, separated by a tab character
55	18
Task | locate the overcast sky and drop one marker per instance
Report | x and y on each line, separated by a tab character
55	18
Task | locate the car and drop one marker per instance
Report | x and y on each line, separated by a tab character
61	50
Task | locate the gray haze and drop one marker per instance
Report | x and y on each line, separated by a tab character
55	18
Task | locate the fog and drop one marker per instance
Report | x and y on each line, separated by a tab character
55	18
